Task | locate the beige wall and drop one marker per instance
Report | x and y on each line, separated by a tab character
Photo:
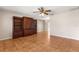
65	24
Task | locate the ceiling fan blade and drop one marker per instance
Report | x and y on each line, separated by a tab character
46	13
38	8
47	10
49	13
36	12
42	9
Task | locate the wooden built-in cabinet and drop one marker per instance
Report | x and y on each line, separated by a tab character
30	26
24	26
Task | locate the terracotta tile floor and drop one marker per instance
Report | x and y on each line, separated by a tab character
39	43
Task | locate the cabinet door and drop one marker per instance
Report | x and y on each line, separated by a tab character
27	23
30	26
17	27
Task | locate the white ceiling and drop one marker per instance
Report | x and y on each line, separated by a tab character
29	9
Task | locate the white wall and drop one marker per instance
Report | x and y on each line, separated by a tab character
65	24
40	26
6	24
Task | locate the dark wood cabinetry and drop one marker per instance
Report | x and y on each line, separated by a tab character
24	26
29	26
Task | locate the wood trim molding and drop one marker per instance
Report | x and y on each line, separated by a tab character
62	37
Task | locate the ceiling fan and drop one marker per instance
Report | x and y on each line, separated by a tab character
42	11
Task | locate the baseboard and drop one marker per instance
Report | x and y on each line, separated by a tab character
6	38
62	37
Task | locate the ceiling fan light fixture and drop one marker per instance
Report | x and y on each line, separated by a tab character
42	14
